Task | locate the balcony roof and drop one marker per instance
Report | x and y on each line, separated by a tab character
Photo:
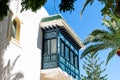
58	21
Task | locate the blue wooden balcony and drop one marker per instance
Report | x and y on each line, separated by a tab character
57	60
60	57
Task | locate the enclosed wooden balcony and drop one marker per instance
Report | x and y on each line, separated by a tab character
60	57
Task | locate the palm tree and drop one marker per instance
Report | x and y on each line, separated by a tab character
101	39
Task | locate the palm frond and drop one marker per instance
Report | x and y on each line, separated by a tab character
98	36
95	56
99	31
110	25
111	54
86	3
95	48
117	22
109	7
101	39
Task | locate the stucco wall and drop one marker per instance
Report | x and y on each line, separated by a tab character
30	44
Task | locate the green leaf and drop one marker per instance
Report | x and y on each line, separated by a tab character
111	54
86	3
94	48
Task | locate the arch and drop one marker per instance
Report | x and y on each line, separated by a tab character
15	29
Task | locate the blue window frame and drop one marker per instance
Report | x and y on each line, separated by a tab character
46	47
62	48
50	46
67	52
49	57
76	62
71	57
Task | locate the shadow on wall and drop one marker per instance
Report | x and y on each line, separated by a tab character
3	46
4	43
7	71
40	38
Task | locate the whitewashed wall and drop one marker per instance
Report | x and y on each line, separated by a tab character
30	44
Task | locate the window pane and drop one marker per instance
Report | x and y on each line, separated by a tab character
76	62
62	48
13	29
71	56
53	46
67	52
47	47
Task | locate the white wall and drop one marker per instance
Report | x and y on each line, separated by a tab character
30	44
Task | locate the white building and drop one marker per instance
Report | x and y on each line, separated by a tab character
23	38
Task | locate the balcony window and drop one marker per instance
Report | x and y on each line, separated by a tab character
47	47
71	57
76	62
62	48
50	46
53	46
49	56
67	54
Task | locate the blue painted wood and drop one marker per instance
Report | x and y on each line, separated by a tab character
50	35
58	60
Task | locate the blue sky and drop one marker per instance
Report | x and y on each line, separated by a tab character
84	25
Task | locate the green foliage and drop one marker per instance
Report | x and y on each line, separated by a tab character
92	67
3	8
110	7
34	5
104	39
66	5
85	5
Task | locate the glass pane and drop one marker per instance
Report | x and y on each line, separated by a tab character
13	29
62	48
71	57
53	46
67	52
47	47
76	62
